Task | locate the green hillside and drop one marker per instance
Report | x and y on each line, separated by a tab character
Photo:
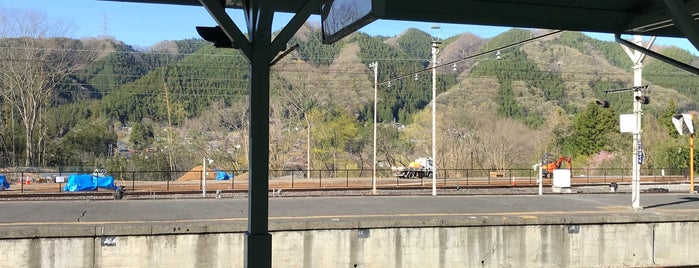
165	107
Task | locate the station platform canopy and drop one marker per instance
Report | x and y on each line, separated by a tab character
669	18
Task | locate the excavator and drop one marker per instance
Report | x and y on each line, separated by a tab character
548	165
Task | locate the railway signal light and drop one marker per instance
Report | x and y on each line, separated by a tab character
602	103
642	99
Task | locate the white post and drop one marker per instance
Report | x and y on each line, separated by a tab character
203	179
435	50
636	178
376	78
637	81
540	180
637	58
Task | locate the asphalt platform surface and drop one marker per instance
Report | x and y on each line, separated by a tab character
149	216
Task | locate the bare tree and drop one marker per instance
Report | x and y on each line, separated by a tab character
285	119
503	142
295	109
220	132
34	61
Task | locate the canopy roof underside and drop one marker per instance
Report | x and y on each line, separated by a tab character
643	17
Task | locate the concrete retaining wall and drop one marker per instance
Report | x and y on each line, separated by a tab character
546	245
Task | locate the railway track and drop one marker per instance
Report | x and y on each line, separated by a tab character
328	186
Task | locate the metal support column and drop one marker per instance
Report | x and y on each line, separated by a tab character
258	240
260	50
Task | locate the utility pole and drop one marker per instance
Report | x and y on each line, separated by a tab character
308	144
435	50
169	124
374	65
637	58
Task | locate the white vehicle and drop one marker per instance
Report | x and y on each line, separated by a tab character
420	168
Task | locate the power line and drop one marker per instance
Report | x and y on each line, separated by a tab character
180	64
473	56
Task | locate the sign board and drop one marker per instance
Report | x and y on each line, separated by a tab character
109	241
340	18
684	123
561	178
60	179
627	123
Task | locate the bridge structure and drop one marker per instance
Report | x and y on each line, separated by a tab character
675	18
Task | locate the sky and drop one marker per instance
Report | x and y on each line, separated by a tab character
143	25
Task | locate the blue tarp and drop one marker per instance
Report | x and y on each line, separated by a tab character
4	185
106	182
222	176
87	182
80	182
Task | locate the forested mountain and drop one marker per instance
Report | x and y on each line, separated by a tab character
166	107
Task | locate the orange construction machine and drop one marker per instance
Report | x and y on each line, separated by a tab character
548	165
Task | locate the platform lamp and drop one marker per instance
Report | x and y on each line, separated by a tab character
216	36
684	123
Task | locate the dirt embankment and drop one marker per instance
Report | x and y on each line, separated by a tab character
195	174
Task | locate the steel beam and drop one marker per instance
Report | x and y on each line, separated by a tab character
301	16
657	55
227	25
684	21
